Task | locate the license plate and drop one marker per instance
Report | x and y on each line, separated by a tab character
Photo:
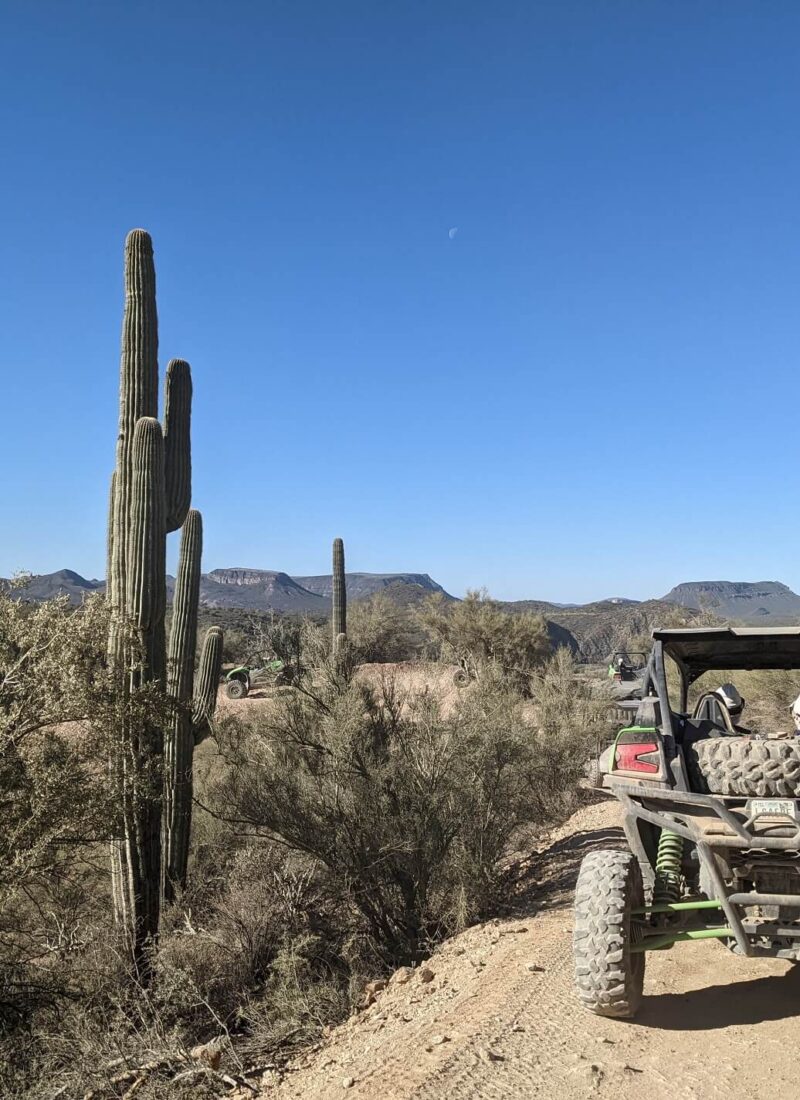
772	807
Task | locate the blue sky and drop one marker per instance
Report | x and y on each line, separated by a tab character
590	389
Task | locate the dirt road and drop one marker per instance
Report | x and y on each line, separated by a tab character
498	1021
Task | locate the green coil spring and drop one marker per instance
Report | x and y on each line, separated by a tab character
667	887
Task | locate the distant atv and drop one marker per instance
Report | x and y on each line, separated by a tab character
241	680
627	667
626	675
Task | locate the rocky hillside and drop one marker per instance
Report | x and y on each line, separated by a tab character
63	583
256	589
362	585
603	627
259	590
594	629
759	602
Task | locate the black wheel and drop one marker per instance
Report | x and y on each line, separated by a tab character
594	773
609	977
741	765
236	689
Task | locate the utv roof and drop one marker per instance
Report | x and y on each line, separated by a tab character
732	647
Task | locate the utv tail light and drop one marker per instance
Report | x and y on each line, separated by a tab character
638	756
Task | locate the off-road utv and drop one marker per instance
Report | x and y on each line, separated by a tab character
626	667
240	681
625	679
712	821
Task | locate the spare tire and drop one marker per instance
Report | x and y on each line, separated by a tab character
744	766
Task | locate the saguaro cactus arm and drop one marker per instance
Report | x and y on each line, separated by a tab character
110	536
179	739
183	634
207	682
146	588
177	442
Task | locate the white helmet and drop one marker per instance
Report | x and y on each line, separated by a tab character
731	698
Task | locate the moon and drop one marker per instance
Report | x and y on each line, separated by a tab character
452	232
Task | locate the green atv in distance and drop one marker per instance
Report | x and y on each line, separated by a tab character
240	681
626	667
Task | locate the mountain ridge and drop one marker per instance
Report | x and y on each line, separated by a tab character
250	589
765	602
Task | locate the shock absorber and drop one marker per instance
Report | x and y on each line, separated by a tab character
667	886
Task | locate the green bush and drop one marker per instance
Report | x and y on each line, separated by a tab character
380	631
481	636
408	808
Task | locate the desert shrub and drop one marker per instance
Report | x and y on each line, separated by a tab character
480	635
408	809
570	712
235	644
381	631
259	960
349	829
56	699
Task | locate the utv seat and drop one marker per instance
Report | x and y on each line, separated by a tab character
710	709
700	729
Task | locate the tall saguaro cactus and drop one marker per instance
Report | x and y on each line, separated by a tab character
339	619
150	496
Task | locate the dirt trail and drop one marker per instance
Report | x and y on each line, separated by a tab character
498	1021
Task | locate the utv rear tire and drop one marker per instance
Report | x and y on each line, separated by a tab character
758	768
236	689
594	773
609	977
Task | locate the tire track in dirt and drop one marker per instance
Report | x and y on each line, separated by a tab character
500	1020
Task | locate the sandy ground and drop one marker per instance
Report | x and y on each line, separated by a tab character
498	1019
407	677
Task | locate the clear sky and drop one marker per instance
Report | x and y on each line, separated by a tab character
506	292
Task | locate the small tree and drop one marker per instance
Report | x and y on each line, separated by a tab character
479	634
381	631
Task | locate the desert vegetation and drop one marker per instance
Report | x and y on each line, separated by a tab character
339	831
187	896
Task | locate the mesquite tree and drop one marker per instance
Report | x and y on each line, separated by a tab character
150	496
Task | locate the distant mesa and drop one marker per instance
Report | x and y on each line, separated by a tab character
593	630
744	601
253	589
360	585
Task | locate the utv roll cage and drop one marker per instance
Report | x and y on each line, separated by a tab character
705	649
